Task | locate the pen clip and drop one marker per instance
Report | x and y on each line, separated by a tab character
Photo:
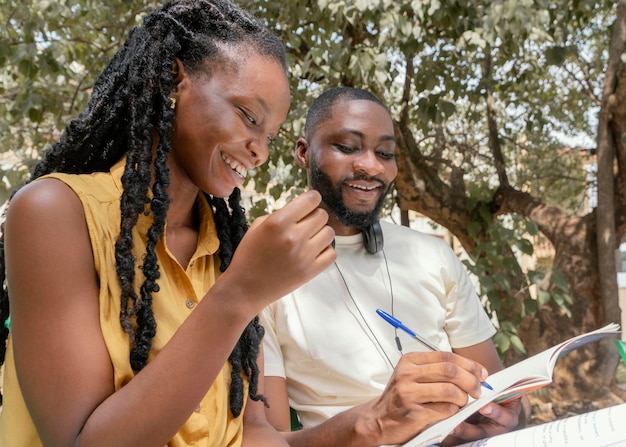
398	325
395	322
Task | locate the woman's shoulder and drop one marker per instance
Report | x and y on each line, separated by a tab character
43	213
63	198
99	186
43	197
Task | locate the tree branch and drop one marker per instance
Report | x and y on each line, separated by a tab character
494	140
549	219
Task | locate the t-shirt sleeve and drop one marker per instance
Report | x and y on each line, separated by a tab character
273	356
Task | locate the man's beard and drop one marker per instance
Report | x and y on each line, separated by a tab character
333	198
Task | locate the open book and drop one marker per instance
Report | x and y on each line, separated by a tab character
600	428
511	383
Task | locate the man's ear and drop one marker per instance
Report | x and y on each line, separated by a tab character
302	153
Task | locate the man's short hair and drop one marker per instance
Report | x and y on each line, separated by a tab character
321	109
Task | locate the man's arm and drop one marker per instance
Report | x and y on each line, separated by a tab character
257	431
336	431
278	412
424	388
484	353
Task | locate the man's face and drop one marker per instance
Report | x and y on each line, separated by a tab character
351	161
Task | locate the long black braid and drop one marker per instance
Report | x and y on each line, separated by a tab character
128	109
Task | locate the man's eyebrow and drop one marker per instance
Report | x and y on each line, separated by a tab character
361	135
387	138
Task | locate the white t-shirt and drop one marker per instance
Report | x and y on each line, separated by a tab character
336	352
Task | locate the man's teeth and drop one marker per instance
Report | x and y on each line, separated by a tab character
365	188
239	169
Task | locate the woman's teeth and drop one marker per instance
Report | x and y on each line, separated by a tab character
239	169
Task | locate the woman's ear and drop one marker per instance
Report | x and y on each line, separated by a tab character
177	71
178	74
302	153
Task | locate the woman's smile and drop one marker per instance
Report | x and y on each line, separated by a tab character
239	169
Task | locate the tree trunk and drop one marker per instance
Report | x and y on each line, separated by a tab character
609	311
584	246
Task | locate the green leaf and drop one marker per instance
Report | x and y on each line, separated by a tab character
558	279
35	115
543	297
517	344
474	229
27	68
531	227
525	246
555	55
502	342
447	108
535	277
276	191
530	306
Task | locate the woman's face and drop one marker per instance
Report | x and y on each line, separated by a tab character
225	122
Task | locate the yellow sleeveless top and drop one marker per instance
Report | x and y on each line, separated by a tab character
212	424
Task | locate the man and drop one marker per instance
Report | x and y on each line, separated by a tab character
353	379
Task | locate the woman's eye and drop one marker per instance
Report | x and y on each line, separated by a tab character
249	117
386	155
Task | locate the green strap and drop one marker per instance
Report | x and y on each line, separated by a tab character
621	347
295	421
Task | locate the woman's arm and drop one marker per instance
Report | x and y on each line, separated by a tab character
61	359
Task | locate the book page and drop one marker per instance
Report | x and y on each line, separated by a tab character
600	428
510	383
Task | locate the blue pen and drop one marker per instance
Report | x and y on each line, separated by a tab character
398	325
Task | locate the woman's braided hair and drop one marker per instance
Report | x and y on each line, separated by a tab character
128	109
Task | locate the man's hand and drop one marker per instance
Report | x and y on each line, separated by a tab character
493	419
425	388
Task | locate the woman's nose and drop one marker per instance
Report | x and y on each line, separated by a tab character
259	151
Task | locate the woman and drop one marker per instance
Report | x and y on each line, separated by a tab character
124	330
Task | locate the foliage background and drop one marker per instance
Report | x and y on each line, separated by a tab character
497	104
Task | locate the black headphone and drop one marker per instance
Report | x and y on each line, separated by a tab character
373	238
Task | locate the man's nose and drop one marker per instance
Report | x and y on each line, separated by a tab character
368	162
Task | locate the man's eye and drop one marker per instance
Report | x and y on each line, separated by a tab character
344	148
